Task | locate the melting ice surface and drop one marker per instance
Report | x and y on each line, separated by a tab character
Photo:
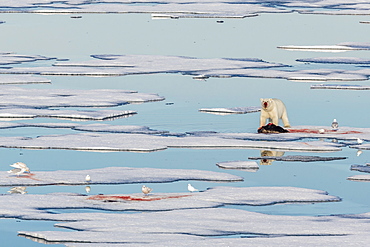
238	71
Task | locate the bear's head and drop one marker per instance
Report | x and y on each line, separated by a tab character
266	103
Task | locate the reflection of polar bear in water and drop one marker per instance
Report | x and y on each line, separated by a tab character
270	153
273	109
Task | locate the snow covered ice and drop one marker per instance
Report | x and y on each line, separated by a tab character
113	175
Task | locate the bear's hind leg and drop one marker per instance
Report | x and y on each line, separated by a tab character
285	119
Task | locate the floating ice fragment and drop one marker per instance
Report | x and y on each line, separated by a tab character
11	58
318	48
301	158
340	87
22	79
335	60
239	165
101	115
114	175
361	168
233	110
150	143
45	98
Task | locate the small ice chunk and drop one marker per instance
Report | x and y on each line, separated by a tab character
340	87
239	165
233	110
302	158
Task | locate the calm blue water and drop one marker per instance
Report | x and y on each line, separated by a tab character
76	39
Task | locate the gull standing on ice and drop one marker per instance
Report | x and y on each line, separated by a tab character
334	125
191	188
19	168
146	190
88	178
359	141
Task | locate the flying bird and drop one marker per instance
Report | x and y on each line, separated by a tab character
19	168
334	124
146	190
191	188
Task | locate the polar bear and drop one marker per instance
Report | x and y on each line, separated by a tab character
273	109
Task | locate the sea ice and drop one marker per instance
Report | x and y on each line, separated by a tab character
336	60
113	175
361	168
22	79
8	58
302	158
232	110
141	139
17	113
46	98
186	9
39	206
340	86
239	165
201	225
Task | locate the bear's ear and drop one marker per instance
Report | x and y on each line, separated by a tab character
261	99
270	99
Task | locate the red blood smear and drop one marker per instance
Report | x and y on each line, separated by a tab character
130	198
313	131
29	175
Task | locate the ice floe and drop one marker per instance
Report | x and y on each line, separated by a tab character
46	98
239	165
112	175
198	214
157	63
150	143
7	58
340	86
101	115
201	225
185	9
108	137
302	158
344	46
38	206
232	110
22	79
200	69
336	60
360	168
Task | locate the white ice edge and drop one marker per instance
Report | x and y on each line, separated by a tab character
340	87
46	98
101	115
232	110
238	165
